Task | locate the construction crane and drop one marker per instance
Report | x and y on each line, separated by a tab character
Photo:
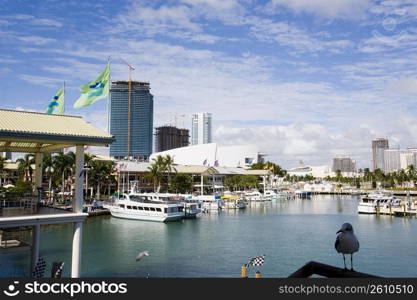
129	104
176	118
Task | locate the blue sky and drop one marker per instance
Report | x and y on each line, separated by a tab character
304	79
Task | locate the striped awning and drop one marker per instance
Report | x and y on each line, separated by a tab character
22	131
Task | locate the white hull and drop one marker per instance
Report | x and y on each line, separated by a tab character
365	208
235	205
156	217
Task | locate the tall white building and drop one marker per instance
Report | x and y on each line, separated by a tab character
407	158
201	129
392	160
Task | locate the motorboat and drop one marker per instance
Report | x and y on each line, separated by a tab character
302	194
143	208
375	201
233	202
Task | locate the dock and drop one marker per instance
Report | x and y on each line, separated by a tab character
316	268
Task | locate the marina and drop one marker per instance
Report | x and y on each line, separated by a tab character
206	246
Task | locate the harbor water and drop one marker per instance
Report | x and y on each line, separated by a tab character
289	233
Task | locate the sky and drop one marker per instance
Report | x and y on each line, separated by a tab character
303	79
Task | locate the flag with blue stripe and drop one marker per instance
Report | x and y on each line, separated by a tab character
94	90
56	106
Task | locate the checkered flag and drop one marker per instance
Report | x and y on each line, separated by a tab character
39	269
256	261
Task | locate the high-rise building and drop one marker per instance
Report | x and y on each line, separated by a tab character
131	119
344	164
7	155
407	158
201	128
378	148
392	161
170	137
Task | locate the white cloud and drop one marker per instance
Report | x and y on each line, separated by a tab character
403	86
42	80
326	8
35	40
289	35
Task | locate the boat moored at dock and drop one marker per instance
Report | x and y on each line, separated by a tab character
141	208
374	202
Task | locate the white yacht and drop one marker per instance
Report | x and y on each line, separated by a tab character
270	194
144	208
255	195
191	207
370	203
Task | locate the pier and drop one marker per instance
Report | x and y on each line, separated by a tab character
316	268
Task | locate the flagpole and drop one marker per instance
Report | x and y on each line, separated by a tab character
108	99
63	104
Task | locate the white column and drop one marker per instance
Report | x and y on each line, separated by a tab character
202	182
76	250
79	179
38	170
35	247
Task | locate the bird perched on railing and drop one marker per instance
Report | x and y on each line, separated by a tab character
346	243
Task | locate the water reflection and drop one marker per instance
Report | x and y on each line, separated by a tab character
216	244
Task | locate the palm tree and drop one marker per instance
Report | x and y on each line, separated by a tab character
62	165
25	166
154	174
169	166
48	169
101	173
88	158
2	164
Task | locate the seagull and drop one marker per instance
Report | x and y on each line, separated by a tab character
346	243
142	255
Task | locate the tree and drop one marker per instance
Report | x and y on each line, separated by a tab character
154	174
101	172
2	165
161	165
63	165
25	166
181	183
48	169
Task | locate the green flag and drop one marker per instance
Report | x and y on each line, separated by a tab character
94	90
56	106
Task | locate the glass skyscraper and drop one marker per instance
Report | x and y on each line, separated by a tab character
131	123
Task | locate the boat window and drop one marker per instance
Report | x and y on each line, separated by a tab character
135	207
137	198
151	208
122	205
129	207
180	209
146	208
140	207
158	209
165	210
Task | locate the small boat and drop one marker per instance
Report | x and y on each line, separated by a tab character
138	207
233	202
302	194
256	196
270	194
210	202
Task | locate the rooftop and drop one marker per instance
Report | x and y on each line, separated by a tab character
22	131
